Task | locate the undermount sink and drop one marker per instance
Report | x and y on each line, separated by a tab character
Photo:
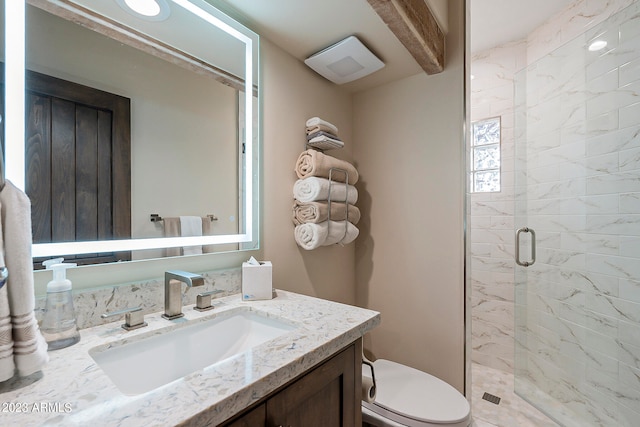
152	361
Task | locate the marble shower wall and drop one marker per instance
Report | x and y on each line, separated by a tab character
492	214
492	243
578	306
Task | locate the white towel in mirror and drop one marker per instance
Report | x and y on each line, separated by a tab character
191	226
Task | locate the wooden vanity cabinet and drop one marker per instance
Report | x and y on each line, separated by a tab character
326	396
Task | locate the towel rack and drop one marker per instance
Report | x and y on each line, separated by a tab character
158	218
316	147
346	200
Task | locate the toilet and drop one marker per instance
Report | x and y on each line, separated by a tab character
409	397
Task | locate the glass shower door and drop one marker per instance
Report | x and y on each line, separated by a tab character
577	313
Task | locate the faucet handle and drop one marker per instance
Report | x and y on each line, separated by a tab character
133	317
203	300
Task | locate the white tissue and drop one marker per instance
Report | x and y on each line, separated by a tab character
253	261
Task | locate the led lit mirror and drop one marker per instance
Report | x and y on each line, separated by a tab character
189	75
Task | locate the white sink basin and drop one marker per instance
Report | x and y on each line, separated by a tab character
152	361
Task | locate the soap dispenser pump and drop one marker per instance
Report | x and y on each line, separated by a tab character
59	326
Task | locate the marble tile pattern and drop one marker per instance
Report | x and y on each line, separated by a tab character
76	392
578	307
512	410
492	215
571	162
90	304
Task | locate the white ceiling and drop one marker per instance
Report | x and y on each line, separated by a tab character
304	27
495	22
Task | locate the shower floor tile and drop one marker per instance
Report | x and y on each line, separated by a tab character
512	411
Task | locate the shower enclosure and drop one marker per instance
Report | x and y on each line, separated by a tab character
577	121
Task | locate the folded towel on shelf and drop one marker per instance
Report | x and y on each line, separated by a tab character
324	142
313	189
311	236
323	133
315	163
25	341
319	128
191	226
316	212
317	123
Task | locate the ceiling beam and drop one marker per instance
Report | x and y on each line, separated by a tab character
412	22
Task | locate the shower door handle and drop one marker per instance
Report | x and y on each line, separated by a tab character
533	246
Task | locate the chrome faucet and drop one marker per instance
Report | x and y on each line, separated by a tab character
173	291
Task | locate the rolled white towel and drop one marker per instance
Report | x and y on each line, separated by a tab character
311	236
317	121
314	188
314	163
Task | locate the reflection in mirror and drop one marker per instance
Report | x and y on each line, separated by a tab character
186	80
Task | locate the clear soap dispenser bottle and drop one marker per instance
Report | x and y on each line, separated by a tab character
59	326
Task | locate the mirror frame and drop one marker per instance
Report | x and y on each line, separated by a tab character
15	60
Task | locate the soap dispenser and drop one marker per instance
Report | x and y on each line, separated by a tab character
59	326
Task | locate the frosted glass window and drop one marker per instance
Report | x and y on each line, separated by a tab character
485	155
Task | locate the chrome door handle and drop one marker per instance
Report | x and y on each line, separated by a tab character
533	246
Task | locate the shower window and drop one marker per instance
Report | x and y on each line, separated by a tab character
485	156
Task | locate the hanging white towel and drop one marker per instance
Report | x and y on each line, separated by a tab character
311	236
191	226
7	367
313	188
29	348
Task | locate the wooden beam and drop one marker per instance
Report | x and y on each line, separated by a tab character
417	29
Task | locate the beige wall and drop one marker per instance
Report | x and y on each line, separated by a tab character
406	139
291	94
409	256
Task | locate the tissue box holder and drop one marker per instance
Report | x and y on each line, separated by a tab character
256	281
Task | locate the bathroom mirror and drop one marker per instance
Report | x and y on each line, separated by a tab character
190	74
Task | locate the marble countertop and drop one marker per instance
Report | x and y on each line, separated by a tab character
73	391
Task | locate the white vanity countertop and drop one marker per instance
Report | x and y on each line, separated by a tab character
73	391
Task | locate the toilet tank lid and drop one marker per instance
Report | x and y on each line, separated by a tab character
415	394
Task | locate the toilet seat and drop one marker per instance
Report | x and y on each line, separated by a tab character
414	398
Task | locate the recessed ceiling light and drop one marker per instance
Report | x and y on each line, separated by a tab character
597	45
144	7
151	10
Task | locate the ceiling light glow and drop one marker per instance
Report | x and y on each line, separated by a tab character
597	45
150	10
144	7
